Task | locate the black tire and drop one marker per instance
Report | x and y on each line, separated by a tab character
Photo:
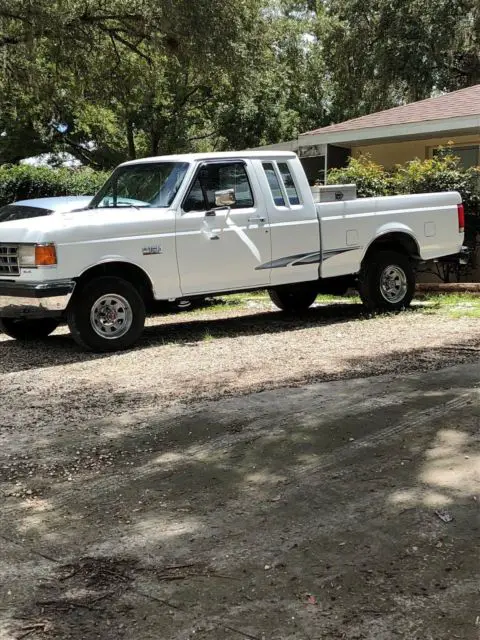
26	330
293	298
387	281
125	302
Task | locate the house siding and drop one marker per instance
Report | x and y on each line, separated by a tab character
392	153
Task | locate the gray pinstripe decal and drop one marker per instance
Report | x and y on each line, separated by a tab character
304	258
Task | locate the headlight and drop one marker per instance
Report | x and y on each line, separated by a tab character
26	255
31	256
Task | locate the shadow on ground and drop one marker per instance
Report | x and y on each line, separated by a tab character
60	349
303	513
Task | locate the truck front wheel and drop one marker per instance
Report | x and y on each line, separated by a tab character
387	281
293	298
107	314
30	329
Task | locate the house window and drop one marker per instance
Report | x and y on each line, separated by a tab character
469	156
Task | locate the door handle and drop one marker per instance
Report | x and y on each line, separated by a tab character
210	214
257	219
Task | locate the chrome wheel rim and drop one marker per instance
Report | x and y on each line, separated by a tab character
111	316
393	284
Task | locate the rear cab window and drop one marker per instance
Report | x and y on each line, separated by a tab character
274	184
289	183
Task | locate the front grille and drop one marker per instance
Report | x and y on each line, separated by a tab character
9	260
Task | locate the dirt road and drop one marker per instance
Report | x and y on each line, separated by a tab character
293	513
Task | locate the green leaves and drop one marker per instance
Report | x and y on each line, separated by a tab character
371	178
130	78
144	77
441	173
24	182
381	53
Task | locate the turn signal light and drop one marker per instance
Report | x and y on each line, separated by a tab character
45	255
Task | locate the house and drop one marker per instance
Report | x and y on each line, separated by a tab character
397	135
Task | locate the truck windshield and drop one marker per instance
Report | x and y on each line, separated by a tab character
141	185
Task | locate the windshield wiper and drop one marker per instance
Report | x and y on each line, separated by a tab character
124	206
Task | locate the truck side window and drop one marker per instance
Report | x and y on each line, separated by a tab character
274	184
289	183
217	176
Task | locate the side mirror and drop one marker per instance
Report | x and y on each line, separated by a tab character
225	198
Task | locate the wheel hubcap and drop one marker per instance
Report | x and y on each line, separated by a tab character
393	284
111	316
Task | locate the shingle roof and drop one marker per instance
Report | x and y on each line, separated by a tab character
465	102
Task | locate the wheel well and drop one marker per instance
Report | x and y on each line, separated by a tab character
130	272
395	241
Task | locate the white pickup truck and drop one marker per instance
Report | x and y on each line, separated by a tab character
177	227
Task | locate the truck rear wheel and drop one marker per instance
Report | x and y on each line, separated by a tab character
387	281
107	314
31	329
293	298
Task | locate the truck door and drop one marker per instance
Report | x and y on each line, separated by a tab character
220	249
294	227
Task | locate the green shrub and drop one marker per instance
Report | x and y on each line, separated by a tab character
441	173
371	178
21	182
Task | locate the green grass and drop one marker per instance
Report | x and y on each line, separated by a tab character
449	298
465	313
226	303
328	299
454	305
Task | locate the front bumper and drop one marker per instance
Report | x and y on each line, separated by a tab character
19	299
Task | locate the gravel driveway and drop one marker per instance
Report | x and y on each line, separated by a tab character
189	357
135	507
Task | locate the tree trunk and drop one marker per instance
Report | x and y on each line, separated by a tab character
132	152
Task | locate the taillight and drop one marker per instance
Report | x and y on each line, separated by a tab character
461	218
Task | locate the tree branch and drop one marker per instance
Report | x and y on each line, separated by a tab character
113	33
203	137
6	40
14	16
101	18
81	152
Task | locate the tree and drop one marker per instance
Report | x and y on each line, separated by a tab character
108	80
119	78
285	92
381	53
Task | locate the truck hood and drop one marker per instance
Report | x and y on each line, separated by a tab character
21	226
18	212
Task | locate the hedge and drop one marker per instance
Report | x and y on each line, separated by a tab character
441	173
21	182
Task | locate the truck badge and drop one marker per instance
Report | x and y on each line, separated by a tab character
152	251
